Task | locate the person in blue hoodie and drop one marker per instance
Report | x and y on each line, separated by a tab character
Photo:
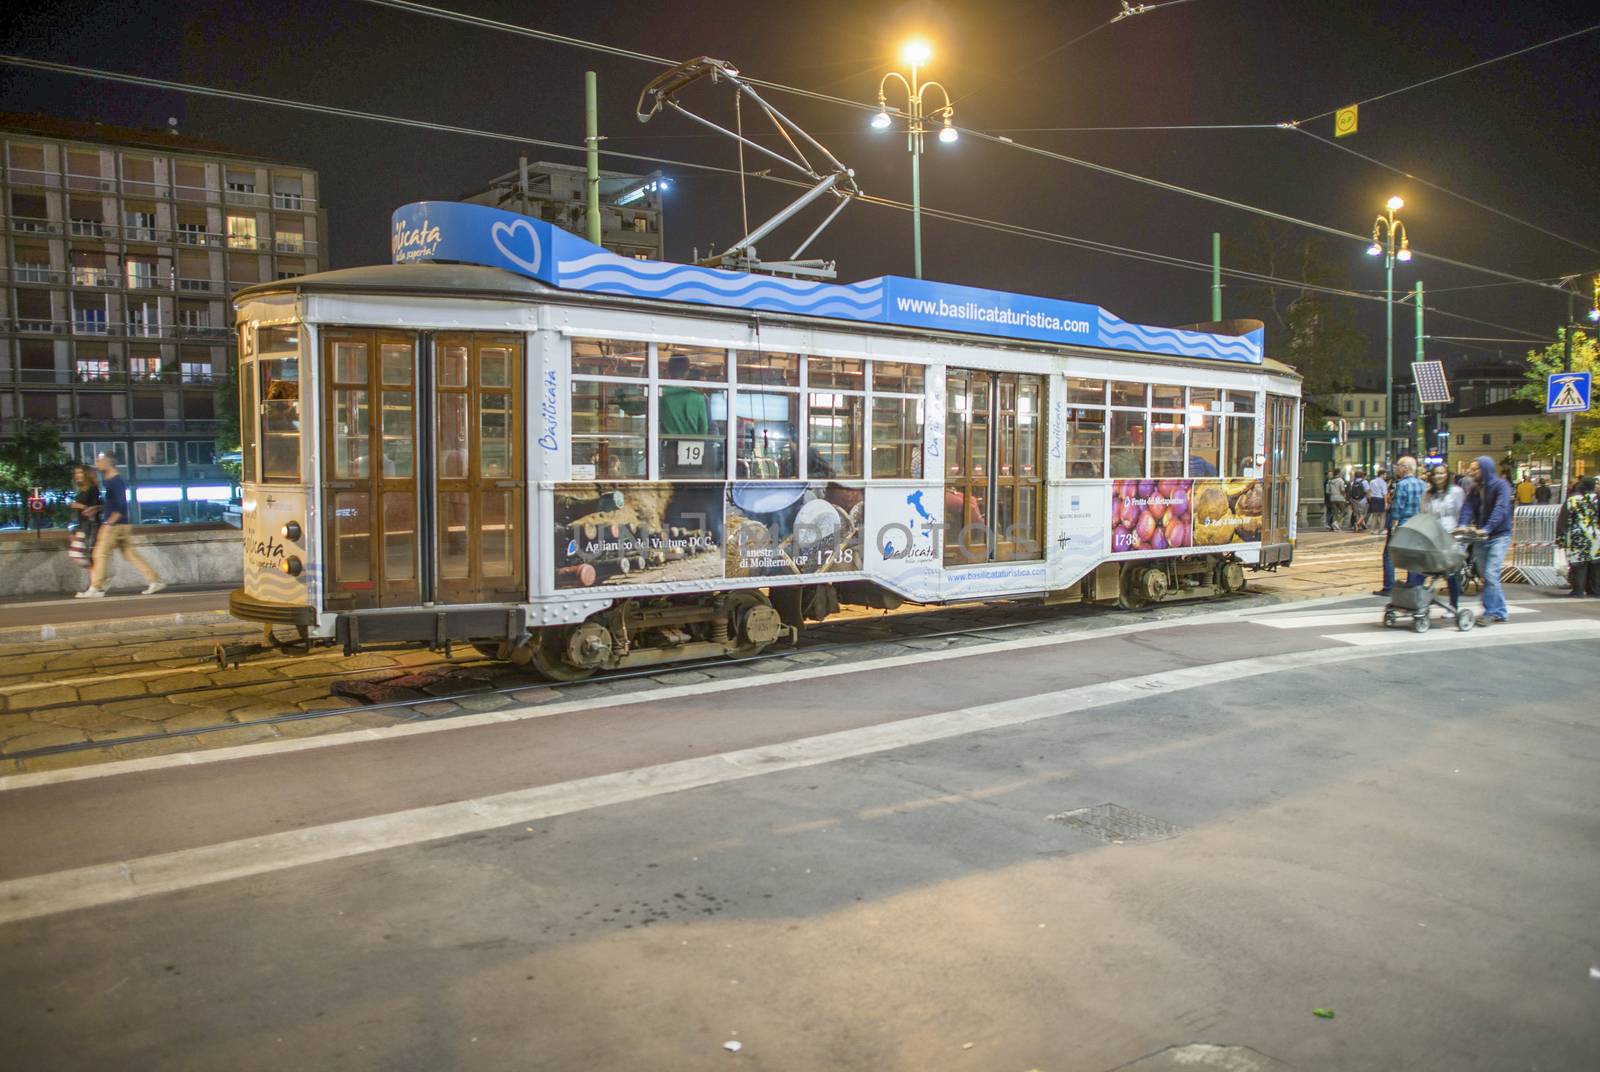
1488	509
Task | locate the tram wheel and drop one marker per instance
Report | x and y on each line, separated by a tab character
753	623
548	655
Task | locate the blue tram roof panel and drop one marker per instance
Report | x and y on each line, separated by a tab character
478	234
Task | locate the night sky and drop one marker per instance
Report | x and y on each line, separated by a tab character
1522	136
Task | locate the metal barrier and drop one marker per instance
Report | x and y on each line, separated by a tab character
1531	558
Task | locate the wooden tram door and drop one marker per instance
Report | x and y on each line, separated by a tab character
1276	483
369	468
479	467
994	467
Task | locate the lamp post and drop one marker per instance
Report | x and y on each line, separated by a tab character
1387	231
916	54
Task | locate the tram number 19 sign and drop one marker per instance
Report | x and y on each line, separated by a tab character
1567	392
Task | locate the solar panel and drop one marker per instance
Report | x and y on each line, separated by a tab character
1429	378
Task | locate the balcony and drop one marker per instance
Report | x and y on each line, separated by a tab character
202	286
204	331
91	182
90	327
33	225
294	202
91	229
94	277
207	194
37	273
33	326
33	177
141	188
198	238
143	234
149	281
144	329
248	197
296	246
32	378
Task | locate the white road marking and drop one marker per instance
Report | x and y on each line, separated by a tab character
103	884
1447	633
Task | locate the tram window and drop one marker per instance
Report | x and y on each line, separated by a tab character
352	423
834	436
1086	443
759	366
279	381
452	363
767	434
693	432
350	362
610	433
610	357
1166	445
702	363
396	364
896	438
452	437
1127	444
1165	396
846	374
397	438
1241	439
247	426
1082	392
494	366
897	377
495	421
1128	394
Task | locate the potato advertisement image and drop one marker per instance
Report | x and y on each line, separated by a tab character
1226	511
1149	515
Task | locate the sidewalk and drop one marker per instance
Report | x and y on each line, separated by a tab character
51	619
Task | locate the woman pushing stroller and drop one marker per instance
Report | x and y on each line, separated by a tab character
1443	500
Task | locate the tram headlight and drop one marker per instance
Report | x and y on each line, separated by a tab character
292	566
291	531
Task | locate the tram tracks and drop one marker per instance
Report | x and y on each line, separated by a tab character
406	710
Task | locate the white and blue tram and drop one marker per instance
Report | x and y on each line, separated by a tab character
512	438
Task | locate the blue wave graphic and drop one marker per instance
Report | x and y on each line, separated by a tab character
674	286
1179	343
652	275
767	300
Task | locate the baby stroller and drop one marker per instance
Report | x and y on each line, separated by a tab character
1423	546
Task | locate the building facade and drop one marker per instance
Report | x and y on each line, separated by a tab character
121	249
631	216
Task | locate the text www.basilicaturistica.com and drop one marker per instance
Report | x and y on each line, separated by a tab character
989	314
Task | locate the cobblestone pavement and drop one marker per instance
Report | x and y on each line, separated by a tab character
157	691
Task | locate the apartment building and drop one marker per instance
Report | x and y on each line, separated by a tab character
121	249
631	209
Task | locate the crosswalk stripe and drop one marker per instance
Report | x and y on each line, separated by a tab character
1449	634
1372	615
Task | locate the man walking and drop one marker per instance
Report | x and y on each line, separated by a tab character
1356	492
1407	501
114	535
1526	490
1333	499
1488	509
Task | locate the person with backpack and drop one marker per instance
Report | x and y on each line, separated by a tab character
1356	492
1333	500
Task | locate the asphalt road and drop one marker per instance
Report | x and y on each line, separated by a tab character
882	865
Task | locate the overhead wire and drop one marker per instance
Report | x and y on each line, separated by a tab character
1092	245
564	39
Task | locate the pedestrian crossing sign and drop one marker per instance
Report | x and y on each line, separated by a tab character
1567	392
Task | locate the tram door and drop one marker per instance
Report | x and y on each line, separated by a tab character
369	468
1278	469
994	468
479	467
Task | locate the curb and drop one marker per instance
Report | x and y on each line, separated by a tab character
72	630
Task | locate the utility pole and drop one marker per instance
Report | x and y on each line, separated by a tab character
1566	418
1422	424
591	143
1216	276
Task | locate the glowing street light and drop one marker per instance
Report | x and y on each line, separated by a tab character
1387	230
915	54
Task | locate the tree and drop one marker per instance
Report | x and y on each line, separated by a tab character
226	407
1313	331
33	458
1544	434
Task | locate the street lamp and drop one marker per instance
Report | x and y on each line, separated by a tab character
1386	232
916	54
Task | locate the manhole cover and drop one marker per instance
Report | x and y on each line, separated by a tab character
1113	822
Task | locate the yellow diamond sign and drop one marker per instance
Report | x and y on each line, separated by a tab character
1344	121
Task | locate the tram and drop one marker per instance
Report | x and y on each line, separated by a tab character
513	439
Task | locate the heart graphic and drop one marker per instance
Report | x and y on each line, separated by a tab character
504	232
